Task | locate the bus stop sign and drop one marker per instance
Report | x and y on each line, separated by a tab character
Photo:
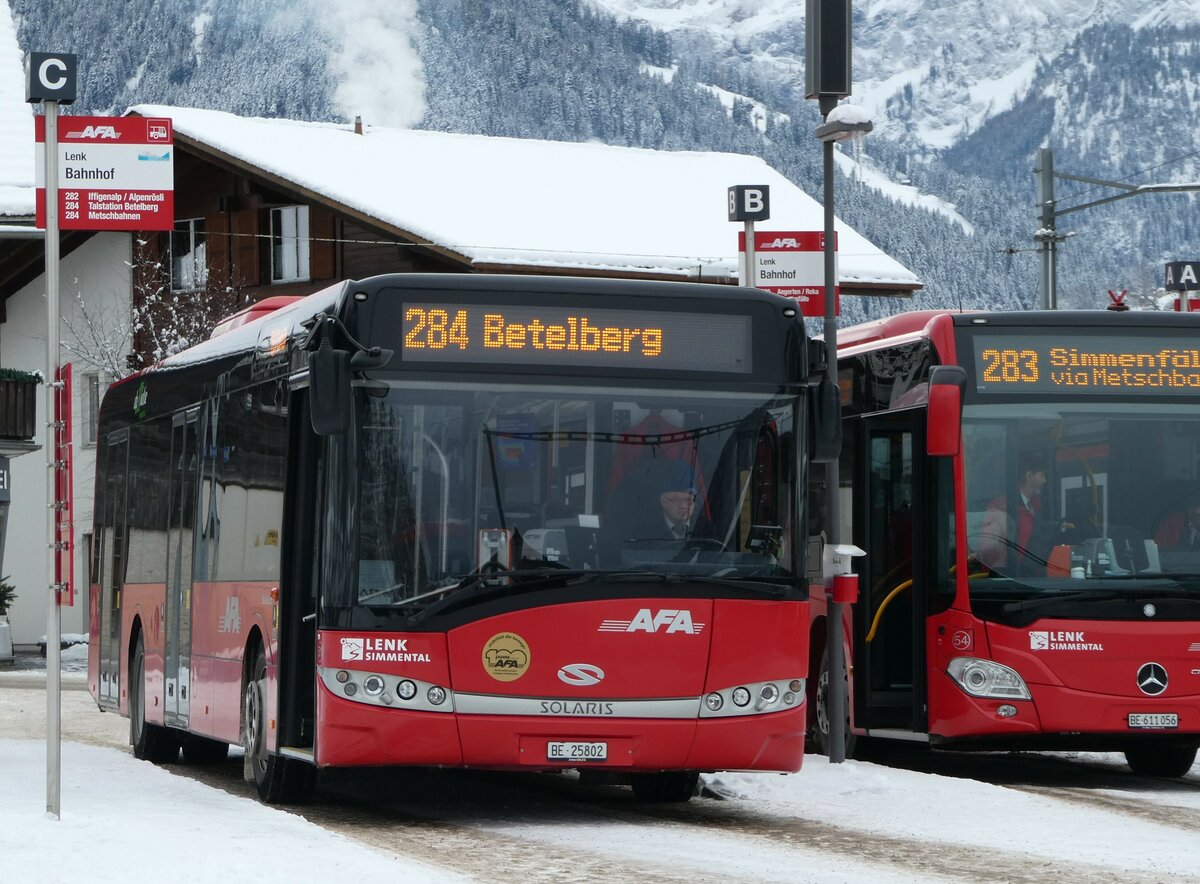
1183	276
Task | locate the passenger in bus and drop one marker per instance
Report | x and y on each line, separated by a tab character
1180	530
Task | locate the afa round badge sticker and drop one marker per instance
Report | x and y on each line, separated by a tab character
506	656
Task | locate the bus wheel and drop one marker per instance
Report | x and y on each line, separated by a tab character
202	750
1160	761
821	714
279	780
668	787
150	742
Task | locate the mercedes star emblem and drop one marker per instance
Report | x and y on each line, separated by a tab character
1152	679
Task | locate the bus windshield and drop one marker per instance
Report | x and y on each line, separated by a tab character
460	484
1081	497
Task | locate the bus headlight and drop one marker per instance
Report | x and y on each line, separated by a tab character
374	685
406	689
436	695
714	701
741	696
985	678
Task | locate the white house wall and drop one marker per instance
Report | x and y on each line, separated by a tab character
99	272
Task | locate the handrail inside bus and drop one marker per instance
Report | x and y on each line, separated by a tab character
887	600
445	498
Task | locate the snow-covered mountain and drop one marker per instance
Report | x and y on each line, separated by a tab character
962	93
933	70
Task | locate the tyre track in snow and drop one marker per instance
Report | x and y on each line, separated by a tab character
447	826
451	827
1075	780
463	821
1185	818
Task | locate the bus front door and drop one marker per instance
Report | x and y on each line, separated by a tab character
112	539
178	632
888	630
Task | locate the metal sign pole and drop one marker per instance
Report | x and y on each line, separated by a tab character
50	79
53	619
751	260
835	661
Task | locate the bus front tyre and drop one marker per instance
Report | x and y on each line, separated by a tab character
150	742
1160	761
278	780
820	707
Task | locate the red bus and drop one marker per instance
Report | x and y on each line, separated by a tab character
422	520
1022	485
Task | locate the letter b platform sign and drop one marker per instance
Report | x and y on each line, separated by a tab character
749	202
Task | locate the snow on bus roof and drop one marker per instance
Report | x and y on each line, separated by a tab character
528	203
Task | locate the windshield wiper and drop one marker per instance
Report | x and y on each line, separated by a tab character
538	578
1132	593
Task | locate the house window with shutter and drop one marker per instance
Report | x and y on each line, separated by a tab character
189	260
289	244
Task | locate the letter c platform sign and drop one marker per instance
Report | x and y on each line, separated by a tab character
51	76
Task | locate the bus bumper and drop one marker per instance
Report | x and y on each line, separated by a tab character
1057	717
370	736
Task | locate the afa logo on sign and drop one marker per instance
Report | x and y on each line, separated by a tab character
104	132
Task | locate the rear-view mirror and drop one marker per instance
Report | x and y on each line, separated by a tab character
943	417
825	421
329	390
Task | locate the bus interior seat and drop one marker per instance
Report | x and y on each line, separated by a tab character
1130	550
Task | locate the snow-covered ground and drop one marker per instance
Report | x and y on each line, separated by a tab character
849	822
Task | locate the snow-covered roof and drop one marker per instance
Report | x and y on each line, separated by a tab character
16	125
534	204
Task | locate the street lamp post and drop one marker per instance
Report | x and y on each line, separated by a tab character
842	123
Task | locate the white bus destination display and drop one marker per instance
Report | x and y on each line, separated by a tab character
566	336
1099	364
